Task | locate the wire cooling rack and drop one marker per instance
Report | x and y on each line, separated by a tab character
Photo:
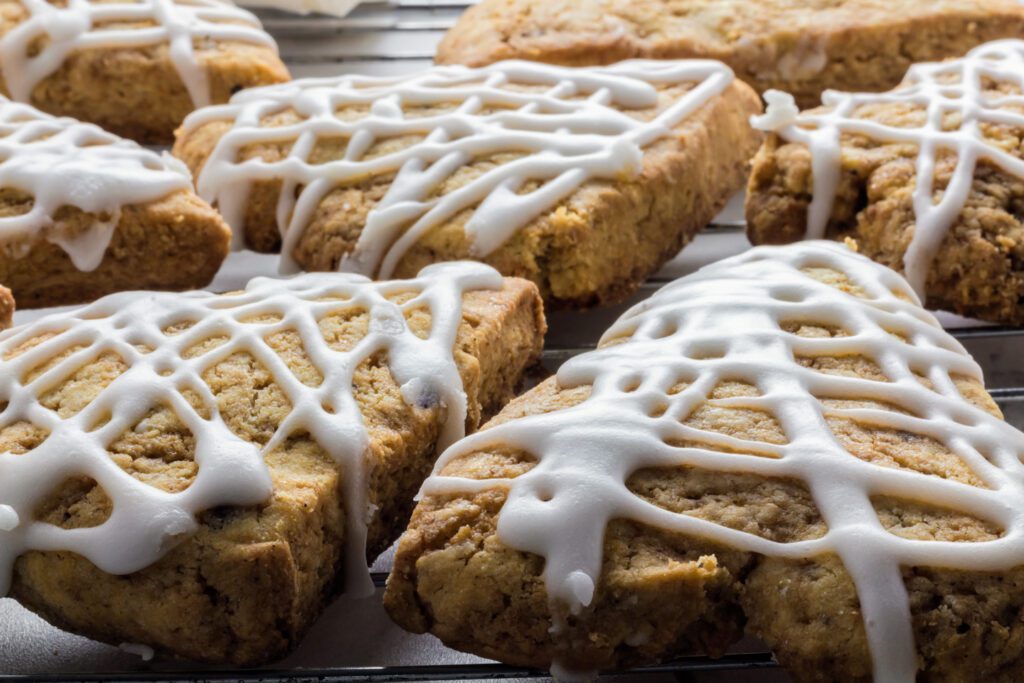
355	641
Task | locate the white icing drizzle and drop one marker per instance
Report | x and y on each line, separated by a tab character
724	323
64	163
337	8
940	89
143	652
146	522
567	134
82	25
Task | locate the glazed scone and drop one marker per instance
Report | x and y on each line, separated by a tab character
136	68
851	170
784	441
582	180
84	213
203	473
802	47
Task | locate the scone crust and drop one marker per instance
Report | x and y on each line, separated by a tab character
175	243
136	92
800	47
594	248
246	587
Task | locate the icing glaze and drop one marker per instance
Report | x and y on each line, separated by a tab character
940	89
725	323
146	522
82	25
97	172
337	8
143	652
567	132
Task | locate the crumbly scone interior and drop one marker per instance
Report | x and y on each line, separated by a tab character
799	606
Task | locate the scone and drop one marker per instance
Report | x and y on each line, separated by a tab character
201	473
135	67
802	47
927	178
582	180
84	213
784	440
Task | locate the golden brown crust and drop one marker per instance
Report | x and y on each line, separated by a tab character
174	243
594	248
663	594
137	92
245	588
793	45
979	269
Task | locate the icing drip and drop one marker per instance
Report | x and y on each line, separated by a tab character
81	25
956	87
146	522
98	173
725	323
566	134
143	652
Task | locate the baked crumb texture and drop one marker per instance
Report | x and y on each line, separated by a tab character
927	179
566	177
800	46
84	213
244	584
654	499
134	68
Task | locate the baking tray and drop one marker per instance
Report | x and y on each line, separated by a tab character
355	640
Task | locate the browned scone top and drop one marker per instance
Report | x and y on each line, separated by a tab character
136	90
247	585
801	46
978	270
594	247
663	594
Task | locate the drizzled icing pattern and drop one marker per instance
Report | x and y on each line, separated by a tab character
63	163
81	25
725	322
146	522
571	131
940	89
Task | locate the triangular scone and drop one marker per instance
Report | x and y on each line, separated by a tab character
84	213
927	178
135	67
785	440
803	47
203	473
582	180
